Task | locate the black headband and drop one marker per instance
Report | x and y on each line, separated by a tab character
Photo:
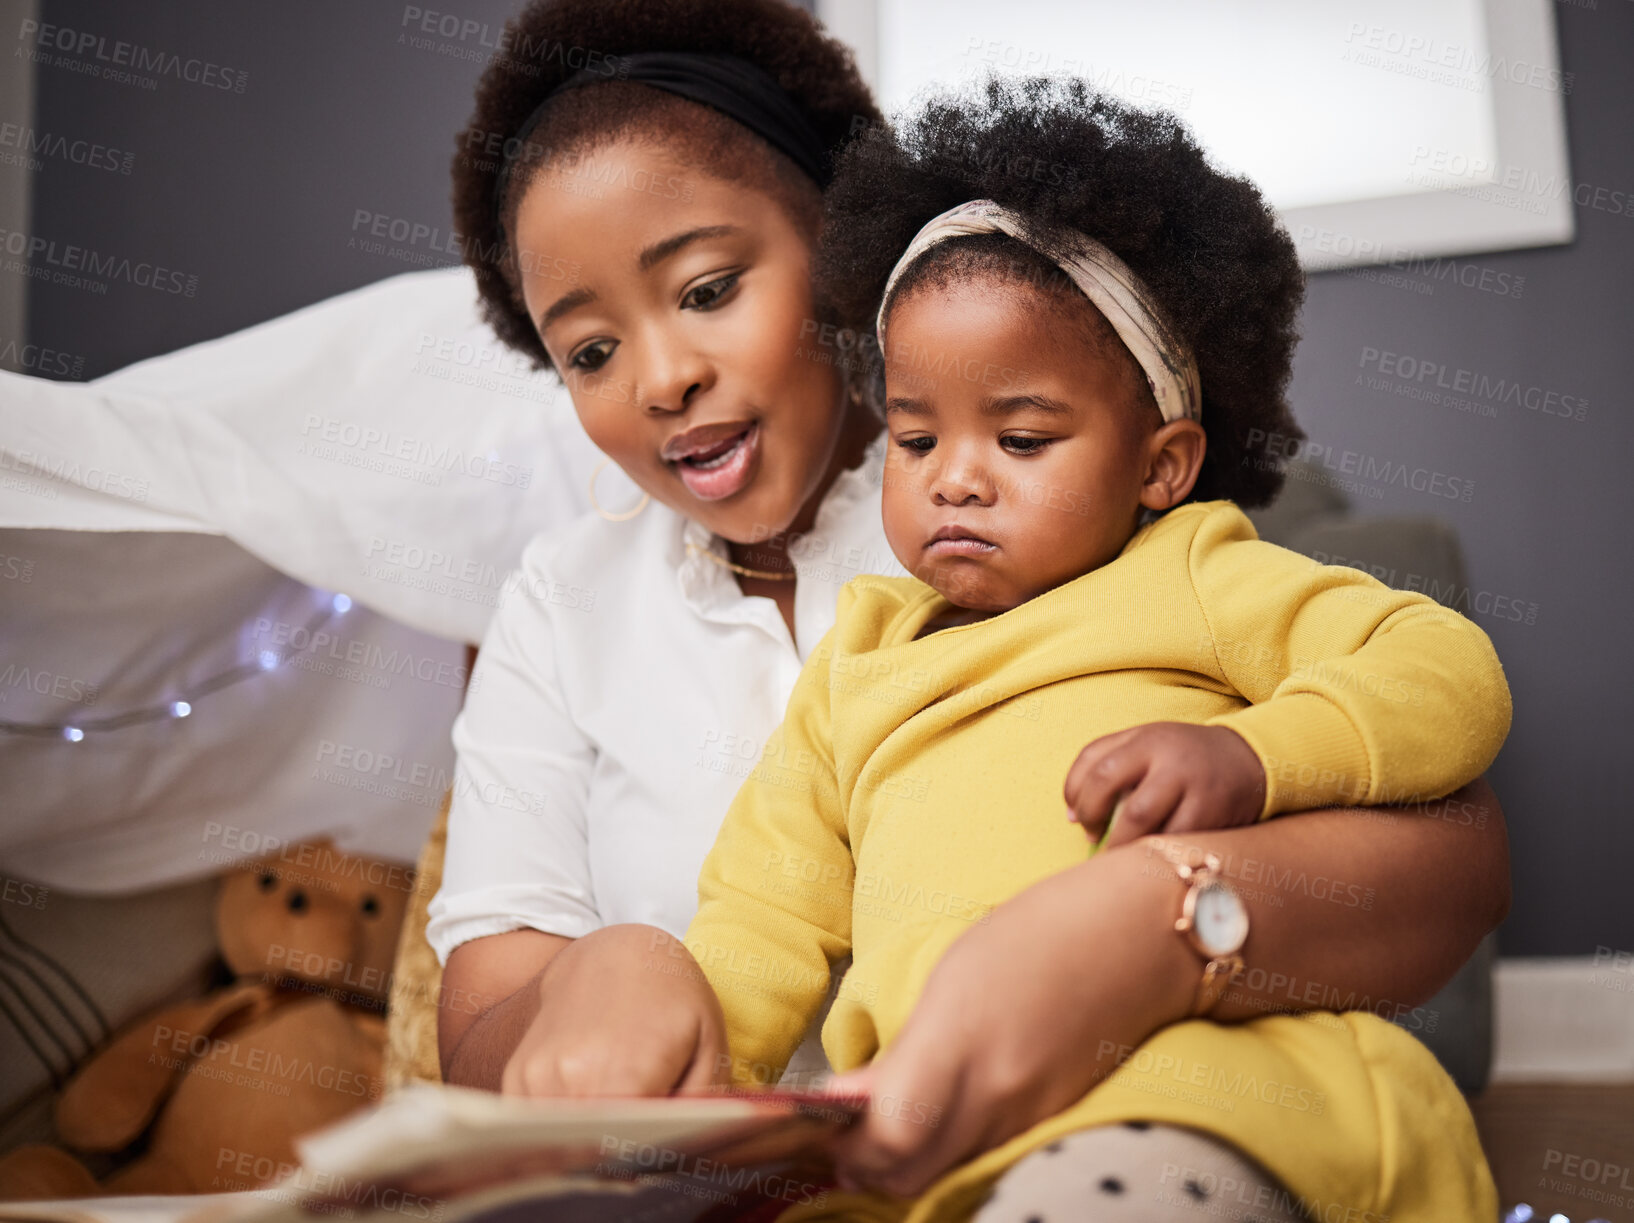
735	87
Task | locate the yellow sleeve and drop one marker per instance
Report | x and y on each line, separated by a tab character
1360	693
775	893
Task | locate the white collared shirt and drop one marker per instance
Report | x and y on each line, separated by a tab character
622	694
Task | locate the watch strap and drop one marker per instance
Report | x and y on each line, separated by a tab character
1217	976
1218	971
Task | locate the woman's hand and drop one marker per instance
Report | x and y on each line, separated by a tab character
1165	777
624	1011
1025	1014
1016	1023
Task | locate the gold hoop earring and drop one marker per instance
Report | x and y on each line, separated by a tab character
596	505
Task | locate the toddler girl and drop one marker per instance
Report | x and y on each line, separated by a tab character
1069	417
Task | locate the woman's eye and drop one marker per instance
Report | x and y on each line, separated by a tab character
917	445
1024	445
592	356
711	294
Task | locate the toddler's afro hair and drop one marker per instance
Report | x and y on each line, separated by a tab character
1205	242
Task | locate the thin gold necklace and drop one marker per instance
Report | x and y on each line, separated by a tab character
769	575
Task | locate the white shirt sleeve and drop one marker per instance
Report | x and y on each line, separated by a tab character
518	848
383	443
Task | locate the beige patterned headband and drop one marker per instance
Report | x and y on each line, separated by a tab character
1105	279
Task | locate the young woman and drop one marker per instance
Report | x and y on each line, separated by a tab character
641	193
1024	626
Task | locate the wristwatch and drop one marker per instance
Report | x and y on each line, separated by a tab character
1215	922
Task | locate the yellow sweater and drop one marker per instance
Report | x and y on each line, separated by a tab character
914	784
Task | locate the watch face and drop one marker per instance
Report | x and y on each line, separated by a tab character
1219	919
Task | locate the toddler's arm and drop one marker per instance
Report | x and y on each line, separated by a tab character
1360	694
775	892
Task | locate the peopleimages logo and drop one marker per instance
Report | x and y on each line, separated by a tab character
37	359
72	471
461	37
1369	471
1512	186
1441	62
88	267
1479	386
84	51
325	437
30	143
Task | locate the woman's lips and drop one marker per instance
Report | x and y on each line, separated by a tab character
694	442
721	468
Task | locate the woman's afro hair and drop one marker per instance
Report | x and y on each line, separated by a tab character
552	40
1206	244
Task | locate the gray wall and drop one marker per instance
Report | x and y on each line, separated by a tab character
1546	527
255	193
16	182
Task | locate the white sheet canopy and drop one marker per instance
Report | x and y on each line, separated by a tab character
382	442
382	445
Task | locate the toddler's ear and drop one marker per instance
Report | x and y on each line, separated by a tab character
1174	457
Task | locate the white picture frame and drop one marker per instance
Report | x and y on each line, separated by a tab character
1516	194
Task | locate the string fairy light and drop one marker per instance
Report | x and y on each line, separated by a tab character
1523	1213
180	705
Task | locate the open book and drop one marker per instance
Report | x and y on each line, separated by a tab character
444	1154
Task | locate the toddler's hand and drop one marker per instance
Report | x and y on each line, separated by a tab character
1171	777
622	1012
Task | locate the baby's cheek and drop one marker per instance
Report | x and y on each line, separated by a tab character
903	530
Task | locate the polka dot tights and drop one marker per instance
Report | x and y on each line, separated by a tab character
1138	1172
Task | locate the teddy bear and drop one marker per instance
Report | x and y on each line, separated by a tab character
220	1087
